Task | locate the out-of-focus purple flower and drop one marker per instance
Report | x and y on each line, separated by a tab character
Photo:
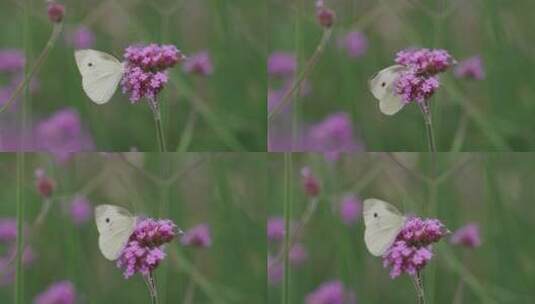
62	292
145	248
44	184
7	268
275	271
471	68
311	185
275	228
281	64
62	134
80	210
55	12
413	87
331	292
198	236
467	236
333	134
11	60
350	209
355	43
298	255
81	38
425	61
199	63
8	229
412	249
145	71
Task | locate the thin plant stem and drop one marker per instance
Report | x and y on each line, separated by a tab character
19	282
155	107
287	214
286	98
419	285
153	290
36	66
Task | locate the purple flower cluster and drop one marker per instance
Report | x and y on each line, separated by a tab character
331	292
198	236
275	228
8	229
81	38
199	63
281	64
333	135
62	134
144	250
355	44
62	292
11	60
350	209
80	210
145	70
8	236
412	249
471	68
467	236
420	81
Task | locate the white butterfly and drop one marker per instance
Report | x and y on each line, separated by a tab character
383	223
382	88
115	225
101	73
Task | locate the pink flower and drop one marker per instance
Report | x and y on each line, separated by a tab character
198	236
145	248
145	71
199	63
58	293
80	210
412	248
11	60
467	236
297	255
81	38
281	64
275	228
55	12
311	185
8	229
355	43
331	292
350	209
425	61
471	68
412	87
275	271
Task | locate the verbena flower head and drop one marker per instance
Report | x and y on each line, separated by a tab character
146	69
275	271
62	134
298	255
199	63
275	228
145	248
467	236
471	68
330	292
80	210
58	293
8	229
311	185
355	44
44	184
81	38
350	209
11	60
425	61
281	64
413	87
198	236
333	134
412	249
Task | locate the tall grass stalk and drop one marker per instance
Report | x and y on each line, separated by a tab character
19	277
287	215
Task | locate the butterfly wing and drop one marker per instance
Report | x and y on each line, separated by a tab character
100	72
383	223
382	88
115	225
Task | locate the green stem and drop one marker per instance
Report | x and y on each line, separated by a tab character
287	216
419	285
152	288
36	66
19	282
286	98
158	122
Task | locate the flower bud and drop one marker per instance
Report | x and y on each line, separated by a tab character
56	12
311	185
325	17
45	185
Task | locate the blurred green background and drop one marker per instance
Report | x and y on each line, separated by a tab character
221	112
495	114
494	190
226	191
